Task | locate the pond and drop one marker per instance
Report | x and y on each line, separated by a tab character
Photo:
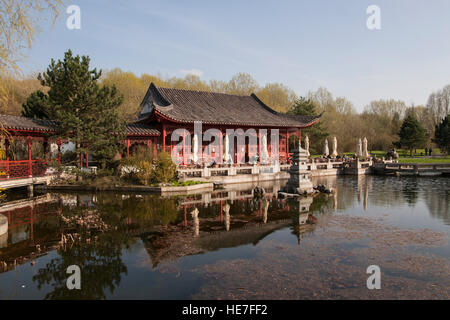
229	245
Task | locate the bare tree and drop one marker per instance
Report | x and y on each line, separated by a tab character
439	104
19	24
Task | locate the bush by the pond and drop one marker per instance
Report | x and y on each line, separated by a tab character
138	172
145	170
139	166
165	170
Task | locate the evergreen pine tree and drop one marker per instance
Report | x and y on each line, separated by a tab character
87	113
316	133
412	134
37	106
442	135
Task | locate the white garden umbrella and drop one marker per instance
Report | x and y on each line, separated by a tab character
264	151
226	155
195	148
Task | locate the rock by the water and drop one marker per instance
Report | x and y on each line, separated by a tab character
323	189
284	195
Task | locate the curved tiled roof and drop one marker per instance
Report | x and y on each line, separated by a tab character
27	124
140	129
49	126
217	108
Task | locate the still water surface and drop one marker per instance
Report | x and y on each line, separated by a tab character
228	245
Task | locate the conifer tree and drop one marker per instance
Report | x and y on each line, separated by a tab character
442	135
317	133
412	134
86	113
37	106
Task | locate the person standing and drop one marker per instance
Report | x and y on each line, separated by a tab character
426	151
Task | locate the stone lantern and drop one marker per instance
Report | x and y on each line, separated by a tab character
299	181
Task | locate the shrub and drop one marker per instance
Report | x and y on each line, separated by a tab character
165	169
139	166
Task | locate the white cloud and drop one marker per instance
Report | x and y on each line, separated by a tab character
194	72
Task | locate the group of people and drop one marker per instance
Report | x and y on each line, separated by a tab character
428	151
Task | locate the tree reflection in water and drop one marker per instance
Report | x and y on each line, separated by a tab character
100	260
169	231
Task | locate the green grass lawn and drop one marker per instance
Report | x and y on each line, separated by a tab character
405	153
424	160
405	158
418	156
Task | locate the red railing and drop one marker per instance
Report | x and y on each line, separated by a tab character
22	169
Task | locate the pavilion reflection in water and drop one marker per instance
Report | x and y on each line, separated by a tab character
171	228
204	222
229	218
174	227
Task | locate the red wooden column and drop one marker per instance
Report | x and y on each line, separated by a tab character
221	146
164	137
258	145
128	147
30	166
183	162
299	136
286	145
287	142
171	144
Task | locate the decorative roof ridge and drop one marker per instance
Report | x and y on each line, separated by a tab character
202	91
265	106
155	90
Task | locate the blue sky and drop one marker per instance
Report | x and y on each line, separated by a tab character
303	44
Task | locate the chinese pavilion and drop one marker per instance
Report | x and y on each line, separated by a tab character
163	111
169	109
